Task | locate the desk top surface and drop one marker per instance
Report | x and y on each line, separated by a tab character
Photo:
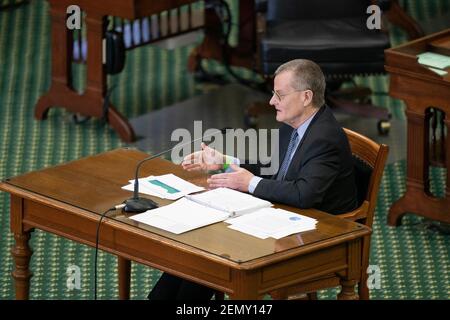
403	58
93	184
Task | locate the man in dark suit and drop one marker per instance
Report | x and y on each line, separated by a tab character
316	166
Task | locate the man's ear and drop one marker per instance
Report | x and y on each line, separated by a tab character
308	94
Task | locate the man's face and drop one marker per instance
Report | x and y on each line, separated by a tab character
289	103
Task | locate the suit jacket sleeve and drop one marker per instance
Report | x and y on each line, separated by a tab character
314	177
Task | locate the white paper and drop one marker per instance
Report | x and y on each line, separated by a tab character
147	187
438	71
181	216
249	230
270	222
434	60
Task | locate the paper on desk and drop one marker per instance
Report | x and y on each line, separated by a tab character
167	186
434	60
270	222
181	216
249	230
438	71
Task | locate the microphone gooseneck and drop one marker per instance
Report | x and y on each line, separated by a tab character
137	204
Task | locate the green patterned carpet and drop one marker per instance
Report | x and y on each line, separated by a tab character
414	261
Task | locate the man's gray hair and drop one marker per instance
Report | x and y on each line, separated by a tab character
307	75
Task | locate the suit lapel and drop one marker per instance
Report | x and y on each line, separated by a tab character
297	155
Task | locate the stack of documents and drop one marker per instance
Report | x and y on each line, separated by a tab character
244	213
435	62
167	186
270	222
196	211
181	216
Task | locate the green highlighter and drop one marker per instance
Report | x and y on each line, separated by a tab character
169	189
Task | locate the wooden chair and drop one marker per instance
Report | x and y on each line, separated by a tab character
370	159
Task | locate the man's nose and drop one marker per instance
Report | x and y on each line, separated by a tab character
273	101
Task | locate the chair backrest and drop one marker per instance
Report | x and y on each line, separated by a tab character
315	9
370	158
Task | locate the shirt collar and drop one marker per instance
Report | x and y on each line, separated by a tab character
302	129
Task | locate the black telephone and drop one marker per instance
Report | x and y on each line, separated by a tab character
115	51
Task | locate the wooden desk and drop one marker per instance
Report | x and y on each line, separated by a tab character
421	89
90	103
66	200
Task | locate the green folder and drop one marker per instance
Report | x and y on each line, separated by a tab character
163	185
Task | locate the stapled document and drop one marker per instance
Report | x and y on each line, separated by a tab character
167	186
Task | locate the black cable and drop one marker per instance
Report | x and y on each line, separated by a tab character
96	244
225	52
105	108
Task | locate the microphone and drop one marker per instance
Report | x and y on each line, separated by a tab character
137	204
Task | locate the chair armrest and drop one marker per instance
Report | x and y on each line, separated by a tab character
357	214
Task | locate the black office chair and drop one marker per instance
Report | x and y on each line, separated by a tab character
334	34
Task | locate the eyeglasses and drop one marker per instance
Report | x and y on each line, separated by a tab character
279	96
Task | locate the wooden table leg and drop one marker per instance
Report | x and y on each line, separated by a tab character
348	290
246	285
124	269
21	251
348	278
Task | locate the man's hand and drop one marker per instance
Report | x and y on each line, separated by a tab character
238	179
206	159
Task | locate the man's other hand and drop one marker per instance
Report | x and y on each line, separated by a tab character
239	179
206	159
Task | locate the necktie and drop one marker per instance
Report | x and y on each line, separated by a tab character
287	157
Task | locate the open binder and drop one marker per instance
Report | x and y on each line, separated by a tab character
195	211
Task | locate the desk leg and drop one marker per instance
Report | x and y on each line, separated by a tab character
348	290
124	267
246	285
21	253
355	264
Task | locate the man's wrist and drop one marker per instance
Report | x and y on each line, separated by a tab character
253	183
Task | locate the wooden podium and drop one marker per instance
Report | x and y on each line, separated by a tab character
426	94
90	103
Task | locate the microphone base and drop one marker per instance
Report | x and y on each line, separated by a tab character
139	205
